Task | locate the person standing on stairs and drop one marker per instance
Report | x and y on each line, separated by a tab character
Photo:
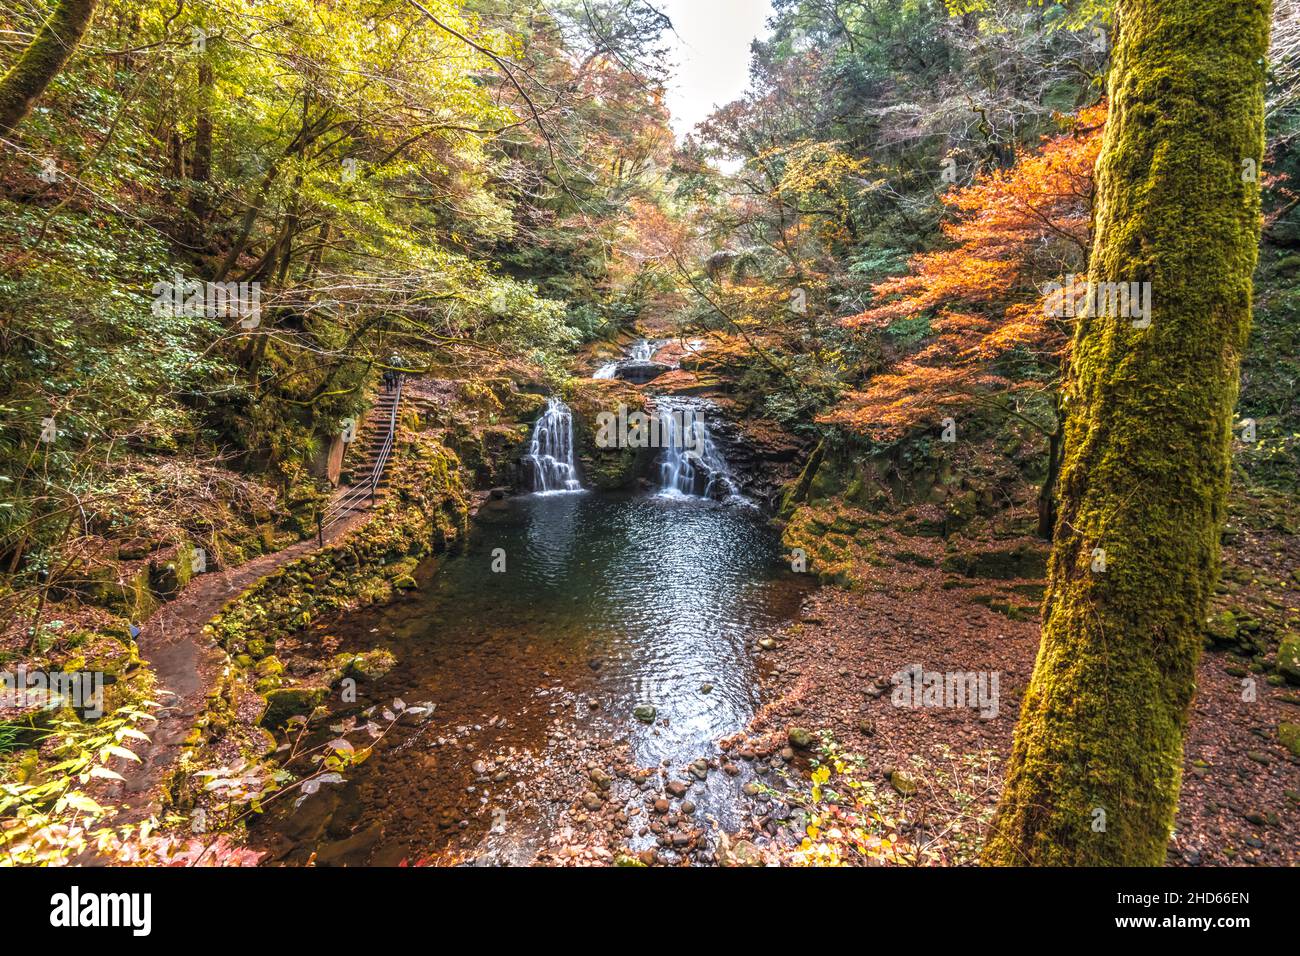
392	375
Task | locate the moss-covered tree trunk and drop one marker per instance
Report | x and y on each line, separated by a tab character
42	60
1096	765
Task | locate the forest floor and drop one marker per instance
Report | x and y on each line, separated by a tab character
1241	786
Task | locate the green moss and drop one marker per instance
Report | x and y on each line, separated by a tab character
1288	657
1145	475
286	702
1289	735
606	469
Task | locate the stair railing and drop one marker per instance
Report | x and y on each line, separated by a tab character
354	496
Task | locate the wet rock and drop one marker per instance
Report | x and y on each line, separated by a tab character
286	702
800	738
353	850
739	853
645	713
677	788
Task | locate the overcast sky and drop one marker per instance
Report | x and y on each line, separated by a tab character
712	52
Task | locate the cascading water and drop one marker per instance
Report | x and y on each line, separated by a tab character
641	351
692	465
551	453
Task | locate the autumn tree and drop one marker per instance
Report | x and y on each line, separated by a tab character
994	302
1095	769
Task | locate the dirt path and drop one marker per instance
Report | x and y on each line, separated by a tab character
187	663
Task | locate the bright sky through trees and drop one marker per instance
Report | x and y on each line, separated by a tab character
712	47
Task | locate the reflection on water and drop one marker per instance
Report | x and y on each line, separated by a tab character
604	603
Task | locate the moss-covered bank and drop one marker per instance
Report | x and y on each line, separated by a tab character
426	513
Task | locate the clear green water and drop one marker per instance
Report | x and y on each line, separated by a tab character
604	603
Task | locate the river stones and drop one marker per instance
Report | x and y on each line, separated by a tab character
645	713
799	738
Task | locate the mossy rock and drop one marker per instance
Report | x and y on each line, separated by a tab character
606	469
800	738
286	702
1289	735
1022	561
270	667
369	665
904	784
1221	628
124	590
524	407
1288	657
402	574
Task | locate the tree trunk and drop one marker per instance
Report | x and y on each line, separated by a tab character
42	60
201	167
1096	765
1047	493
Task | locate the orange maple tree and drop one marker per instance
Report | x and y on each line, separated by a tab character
996	333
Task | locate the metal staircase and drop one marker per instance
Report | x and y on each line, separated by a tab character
380	432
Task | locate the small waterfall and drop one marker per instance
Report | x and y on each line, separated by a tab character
692	464
640	351
551	453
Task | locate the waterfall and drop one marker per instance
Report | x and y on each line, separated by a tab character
642	350
691	465
551	453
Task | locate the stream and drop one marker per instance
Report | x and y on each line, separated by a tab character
566	612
